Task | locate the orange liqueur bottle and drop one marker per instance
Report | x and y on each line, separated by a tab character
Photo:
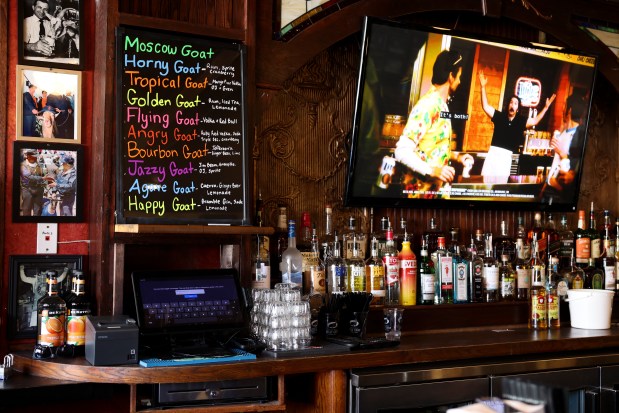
51	311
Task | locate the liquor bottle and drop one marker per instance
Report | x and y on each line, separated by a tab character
318	282
461	279
291	265
504	243
51	313
408	273
558	278
566	239
381	235
582	241
392	271
355	270
336	270
327	235
480	243
78	308
476	271
279	244
307	252
537	230
553	298
523	270
427	276
507	279
607	235
538	310
594	235
577	276
538	267
400	234
453	244
375	275
261	268
259	218
432	233
594	277
351	237
68	295
305	241
552	236
607	264
521	234
490	274
443	266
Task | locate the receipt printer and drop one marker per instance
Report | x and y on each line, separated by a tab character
111	340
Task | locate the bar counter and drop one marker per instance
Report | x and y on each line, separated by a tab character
414	348
329	370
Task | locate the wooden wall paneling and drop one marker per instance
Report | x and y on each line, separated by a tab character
101	257
4	132
226	14
301	150
601	165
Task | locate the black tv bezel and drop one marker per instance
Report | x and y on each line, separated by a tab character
351	200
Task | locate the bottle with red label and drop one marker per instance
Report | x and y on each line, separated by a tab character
392	270
583	241
408	273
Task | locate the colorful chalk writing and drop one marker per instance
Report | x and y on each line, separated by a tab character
181	124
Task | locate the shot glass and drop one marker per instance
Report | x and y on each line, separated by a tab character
393	323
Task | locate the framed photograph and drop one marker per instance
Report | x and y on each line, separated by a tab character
50	33
48	182
27	284
48	104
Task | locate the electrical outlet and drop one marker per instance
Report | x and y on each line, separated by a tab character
47	238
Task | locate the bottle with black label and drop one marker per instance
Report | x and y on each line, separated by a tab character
51	313
78	308
476	270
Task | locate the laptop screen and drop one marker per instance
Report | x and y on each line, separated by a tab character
186	300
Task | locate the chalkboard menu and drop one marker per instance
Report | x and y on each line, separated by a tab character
181	125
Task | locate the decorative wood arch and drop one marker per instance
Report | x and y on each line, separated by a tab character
554	18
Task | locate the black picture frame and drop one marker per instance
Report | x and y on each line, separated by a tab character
48	181
61	42
27	284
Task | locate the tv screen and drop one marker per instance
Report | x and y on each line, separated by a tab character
446	120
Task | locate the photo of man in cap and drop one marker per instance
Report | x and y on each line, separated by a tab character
32	184
66	185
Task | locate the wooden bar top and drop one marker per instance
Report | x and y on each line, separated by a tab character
443	346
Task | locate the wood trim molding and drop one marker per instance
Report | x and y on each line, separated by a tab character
284	58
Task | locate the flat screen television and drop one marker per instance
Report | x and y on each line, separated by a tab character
446	120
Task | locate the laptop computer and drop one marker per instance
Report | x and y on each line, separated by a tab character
188	313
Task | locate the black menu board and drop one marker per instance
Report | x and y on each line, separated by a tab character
181	127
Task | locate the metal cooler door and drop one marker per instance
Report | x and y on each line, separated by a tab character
426	397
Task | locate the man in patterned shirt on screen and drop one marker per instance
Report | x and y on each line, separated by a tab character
424	146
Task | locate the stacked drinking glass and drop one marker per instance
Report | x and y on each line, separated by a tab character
279	318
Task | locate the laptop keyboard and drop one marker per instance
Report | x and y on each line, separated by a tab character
189	311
